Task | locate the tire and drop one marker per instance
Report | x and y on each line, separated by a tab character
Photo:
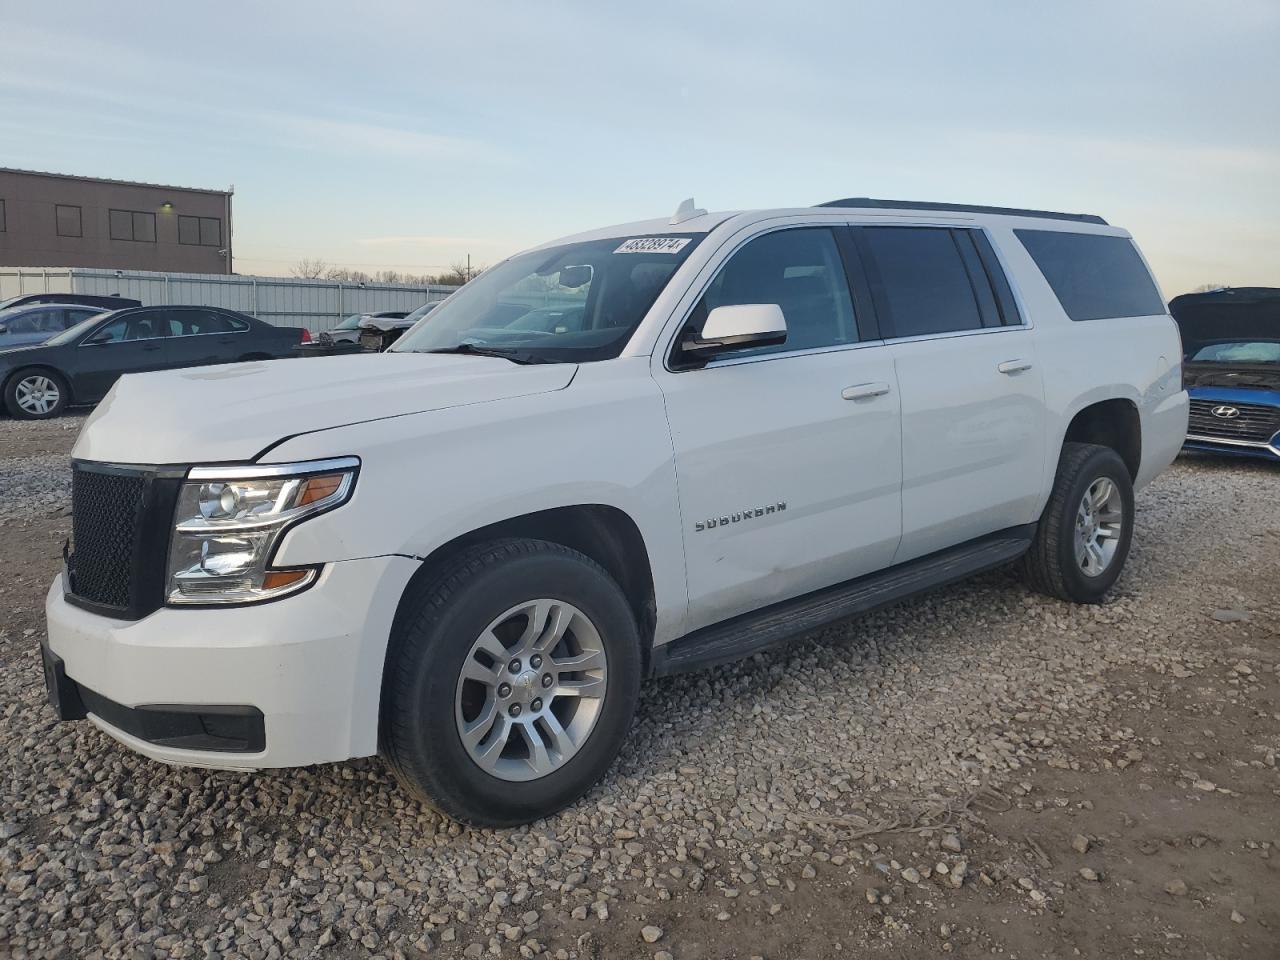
27	394
1054	565
427	703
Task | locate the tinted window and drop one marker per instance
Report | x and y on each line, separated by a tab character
920	281
132	225
67	220
190	323
1094	277
75	316
36	321
200	231
145	326
799	270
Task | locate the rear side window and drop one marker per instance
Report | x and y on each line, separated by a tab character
920	280
1094	277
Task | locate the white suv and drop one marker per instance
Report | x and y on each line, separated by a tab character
631	452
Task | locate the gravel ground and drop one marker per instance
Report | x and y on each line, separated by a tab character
981	771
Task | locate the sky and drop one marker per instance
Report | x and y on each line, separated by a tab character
406	136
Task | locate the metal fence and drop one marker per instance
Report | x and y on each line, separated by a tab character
315	304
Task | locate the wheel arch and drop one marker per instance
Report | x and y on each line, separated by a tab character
605	533
1113	422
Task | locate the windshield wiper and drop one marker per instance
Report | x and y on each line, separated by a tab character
506	353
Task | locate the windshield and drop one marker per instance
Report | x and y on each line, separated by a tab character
72	333
6	304
350	323
565	304
1239	351
423	310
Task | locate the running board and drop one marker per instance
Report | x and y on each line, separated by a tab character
761	629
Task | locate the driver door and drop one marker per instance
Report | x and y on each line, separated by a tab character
132	343
789	457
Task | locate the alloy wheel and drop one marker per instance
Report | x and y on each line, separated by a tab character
531	689
37	394
1099	522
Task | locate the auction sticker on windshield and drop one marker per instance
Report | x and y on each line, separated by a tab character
654	245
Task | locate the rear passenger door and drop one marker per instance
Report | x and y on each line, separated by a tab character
973	410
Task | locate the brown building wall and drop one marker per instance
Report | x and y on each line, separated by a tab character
122	226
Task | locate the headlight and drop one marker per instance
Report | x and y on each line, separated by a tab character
229	520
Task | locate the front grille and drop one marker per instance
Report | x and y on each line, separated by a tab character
106	517
120	523
1255	423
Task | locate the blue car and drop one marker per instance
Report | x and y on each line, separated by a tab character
37	322
1231	366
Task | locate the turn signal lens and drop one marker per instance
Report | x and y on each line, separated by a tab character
279	579
318	488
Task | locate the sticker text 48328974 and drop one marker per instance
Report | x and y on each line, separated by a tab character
653	245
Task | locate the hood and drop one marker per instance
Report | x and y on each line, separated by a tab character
233	412
1244	376
386	324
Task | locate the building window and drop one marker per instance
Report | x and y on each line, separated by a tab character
2	222
133	225
200	231
68	220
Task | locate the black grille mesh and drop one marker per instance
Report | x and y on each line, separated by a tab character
106	515
1255	422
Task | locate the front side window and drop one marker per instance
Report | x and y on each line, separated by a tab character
567	304
1094	276
136	327
67	219
920	281
801	271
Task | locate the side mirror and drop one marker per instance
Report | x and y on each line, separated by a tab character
737	327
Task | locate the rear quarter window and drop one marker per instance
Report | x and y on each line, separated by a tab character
1094	277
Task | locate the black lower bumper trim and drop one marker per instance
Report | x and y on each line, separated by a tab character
215	729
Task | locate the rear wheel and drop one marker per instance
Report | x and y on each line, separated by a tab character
1084	534
510	687
35	395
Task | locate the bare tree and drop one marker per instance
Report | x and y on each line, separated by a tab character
458	274
309	269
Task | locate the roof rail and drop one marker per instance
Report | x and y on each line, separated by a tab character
962	208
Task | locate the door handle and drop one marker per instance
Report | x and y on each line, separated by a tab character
865	391
1010	367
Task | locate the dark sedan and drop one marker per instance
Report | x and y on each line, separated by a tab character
80	365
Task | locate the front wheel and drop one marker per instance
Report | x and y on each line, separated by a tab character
510	687
1084	534
36	395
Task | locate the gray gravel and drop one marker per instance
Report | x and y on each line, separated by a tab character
736	782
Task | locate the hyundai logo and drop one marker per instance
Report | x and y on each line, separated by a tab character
1225	412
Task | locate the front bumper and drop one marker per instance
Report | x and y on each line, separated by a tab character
309	665
1234	448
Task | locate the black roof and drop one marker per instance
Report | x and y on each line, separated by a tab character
962	208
